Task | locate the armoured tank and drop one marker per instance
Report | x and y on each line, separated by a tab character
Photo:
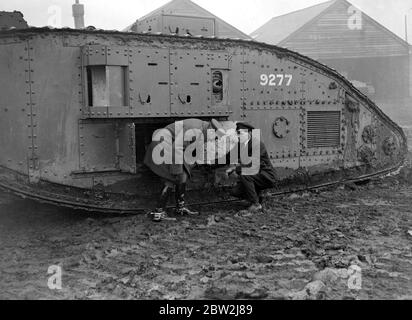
78	108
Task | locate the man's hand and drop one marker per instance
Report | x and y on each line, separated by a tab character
234	169
230	171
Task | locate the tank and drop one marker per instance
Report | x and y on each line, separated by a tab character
78	108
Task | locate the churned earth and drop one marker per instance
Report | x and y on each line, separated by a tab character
347	242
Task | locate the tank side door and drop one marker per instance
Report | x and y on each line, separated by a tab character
127	147
98	147
193	75
106	146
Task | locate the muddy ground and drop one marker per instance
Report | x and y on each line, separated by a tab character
303	246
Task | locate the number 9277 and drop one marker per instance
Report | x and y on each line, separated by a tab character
276	80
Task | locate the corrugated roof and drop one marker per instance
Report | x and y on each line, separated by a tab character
281	27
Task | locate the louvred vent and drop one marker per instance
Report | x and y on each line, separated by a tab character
323	129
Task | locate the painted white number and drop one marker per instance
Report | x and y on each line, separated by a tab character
281	79
271	79
263	79
289	76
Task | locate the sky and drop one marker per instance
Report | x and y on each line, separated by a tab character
246	15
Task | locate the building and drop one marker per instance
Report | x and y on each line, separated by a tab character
184	17
339	35
13	19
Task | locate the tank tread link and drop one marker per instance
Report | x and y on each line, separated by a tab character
78	108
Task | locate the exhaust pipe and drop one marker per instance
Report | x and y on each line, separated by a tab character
78	15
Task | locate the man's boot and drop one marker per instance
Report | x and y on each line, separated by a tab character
254	208
181	208
160	213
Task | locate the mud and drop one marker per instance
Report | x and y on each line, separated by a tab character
301	247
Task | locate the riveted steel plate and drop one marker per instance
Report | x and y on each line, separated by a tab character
318	87
322	162
15	114
105	55
287	163
149	82
98	151
270	81
56	97
94	55
191	82
127	147
279	149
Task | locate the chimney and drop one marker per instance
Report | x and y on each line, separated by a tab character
78	15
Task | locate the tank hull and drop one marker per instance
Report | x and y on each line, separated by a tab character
79	107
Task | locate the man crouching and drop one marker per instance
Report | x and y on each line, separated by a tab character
255	170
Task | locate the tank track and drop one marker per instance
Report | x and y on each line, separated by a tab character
113	207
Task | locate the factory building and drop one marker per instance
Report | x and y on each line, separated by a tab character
341	36
184	17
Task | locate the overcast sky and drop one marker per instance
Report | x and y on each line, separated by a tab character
246	15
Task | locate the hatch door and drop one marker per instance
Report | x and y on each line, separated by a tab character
196	76
127	147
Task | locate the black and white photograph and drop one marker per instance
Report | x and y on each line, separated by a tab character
220	152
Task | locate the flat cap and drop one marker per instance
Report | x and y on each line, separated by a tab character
244	126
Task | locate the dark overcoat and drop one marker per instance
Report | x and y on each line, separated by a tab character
172	172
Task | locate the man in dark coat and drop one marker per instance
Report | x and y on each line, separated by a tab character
177	172
256	176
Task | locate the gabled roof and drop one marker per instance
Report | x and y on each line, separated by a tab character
281	27
189	8
168	8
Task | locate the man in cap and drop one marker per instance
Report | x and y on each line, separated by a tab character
258	173
178	172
